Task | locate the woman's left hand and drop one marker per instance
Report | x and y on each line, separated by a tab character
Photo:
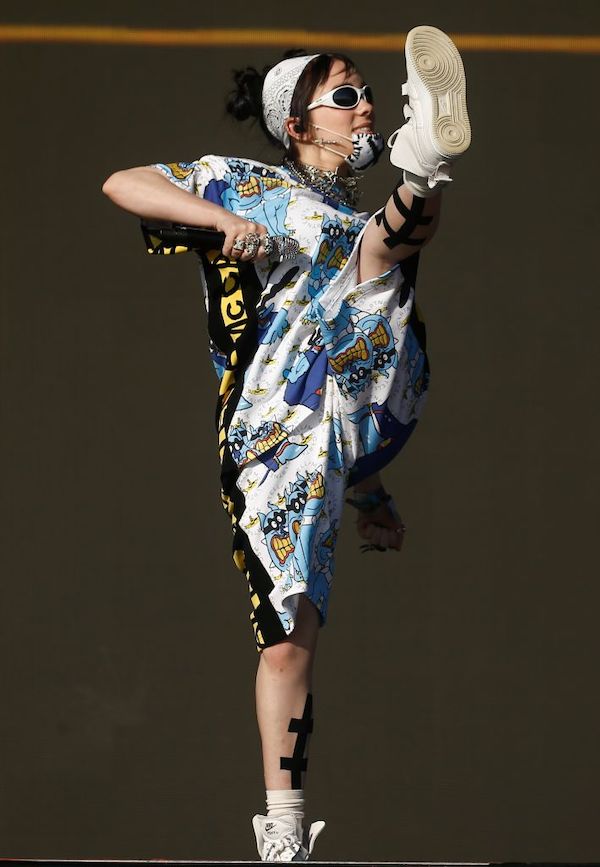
381	527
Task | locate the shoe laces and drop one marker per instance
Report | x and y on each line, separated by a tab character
408	113
274	849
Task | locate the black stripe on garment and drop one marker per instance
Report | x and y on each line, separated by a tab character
234	293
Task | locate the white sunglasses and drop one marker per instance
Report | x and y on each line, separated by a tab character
344	96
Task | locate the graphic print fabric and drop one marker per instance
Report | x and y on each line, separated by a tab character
322	379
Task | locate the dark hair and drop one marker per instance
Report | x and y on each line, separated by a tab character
246	99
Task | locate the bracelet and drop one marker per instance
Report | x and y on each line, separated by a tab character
369	502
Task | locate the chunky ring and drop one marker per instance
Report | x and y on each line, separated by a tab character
286	247
239	244
268	243
252	243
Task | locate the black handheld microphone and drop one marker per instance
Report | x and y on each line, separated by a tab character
163	239
166	238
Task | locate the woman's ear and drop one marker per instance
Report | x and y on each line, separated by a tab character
292	127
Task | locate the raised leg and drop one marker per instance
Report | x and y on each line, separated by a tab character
405	225
436	133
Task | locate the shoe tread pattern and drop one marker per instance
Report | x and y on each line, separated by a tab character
439	67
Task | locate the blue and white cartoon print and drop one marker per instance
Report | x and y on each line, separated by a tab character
257	193
269	443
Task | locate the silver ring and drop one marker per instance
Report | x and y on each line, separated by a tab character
251	243
268	243
239	244
286	247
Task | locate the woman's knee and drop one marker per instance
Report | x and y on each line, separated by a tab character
286	656
297	652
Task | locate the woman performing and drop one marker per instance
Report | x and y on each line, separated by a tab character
318	346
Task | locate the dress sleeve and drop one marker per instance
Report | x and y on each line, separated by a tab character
196	177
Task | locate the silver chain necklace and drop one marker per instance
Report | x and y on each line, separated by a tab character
326	181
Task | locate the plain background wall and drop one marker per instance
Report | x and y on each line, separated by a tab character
456	716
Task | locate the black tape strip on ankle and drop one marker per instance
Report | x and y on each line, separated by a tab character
297	763
412	219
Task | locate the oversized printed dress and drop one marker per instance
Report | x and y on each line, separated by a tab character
322	379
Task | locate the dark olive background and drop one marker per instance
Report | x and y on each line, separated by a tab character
456	715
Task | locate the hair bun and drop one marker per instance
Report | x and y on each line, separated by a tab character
246	99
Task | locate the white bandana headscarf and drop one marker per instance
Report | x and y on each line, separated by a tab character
278	90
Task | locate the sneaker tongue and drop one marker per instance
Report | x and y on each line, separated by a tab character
275	827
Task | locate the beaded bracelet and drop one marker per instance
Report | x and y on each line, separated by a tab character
369	502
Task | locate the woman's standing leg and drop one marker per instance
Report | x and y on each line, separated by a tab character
284	711
284	701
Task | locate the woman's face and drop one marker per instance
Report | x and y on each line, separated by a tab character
340	120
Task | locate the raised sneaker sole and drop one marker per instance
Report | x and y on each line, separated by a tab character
437	92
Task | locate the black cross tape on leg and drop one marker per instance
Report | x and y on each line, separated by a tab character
412	217
297	763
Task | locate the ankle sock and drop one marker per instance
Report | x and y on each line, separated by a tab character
282	802
419	186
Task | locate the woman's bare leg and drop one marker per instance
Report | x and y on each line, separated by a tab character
283	687
407	223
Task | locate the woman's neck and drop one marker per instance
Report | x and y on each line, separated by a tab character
313	155
328	182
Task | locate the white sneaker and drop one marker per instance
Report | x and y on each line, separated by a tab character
283	838
437	131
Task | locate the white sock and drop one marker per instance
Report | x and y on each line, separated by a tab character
419	186
284	801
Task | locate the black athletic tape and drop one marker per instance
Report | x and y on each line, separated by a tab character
412	219
297	763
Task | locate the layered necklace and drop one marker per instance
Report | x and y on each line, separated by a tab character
325	181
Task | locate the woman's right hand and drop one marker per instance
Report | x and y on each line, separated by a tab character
236	228
382	527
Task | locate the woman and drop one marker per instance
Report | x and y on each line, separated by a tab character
320	355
